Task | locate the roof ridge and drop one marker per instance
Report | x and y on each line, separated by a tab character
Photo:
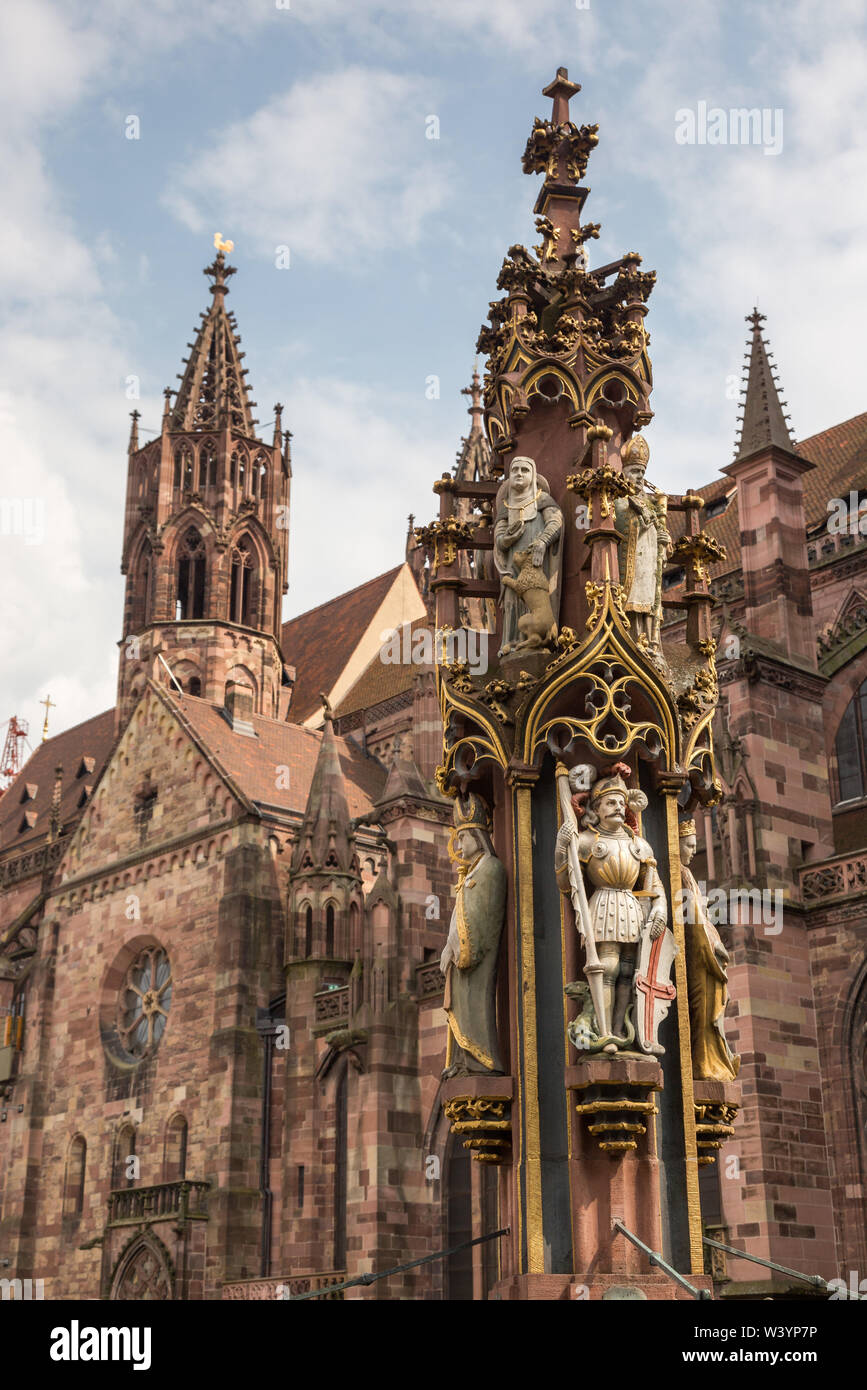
347	594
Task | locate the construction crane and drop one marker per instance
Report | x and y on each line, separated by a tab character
10	765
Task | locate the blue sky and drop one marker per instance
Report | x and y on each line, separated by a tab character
306	127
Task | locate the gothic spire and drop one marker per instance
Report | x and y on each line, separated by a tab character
560	150
476	410
474	455
763	421
325	841
213	392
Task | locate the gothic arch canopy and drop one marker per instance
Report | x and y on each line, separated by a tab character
144	1271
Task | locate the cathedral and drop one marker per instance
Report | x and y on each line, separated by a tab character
224	903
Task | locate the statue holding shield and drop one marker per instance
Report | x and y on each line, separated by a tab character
609	872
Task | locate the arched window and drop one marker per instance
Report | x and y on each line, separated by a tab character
207	465
194	685
184	468
241	591
73	1187
142	609
850	750
308	932
329	931
123	1170
259	475
175	1163
191	577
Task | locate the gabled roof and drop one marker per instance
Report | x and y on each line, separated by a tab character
383	680
94	739
256	764
327	643
840	456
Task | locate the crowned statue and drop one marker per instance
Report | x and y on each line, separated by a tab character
609	871
707	974
640	521
527	547
469	959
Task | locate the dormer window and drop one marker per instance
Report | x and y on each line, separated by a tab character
28	821
85	766
28	792
717	505
86	794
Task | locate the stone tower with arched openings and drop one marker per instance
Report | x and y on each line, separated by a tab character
205	546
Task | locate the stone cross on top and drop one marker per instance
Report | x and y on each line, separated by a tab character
560	91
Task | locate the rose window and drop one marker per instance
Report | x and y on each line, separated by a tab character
144	1002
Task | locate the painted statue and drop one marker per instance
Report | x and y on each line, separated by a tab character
707	975
640	521
609	872
469	960
527	539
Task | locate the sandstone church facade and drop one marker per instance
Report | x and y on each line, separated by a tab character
222	903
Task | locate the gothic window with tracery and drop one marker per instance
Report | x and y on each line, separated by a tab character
191	577
241	591
143	1278
142	600
143	1006
850	750
184	468
207	466
259	475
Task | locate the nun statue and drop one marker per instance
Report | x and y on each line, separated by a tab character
527	520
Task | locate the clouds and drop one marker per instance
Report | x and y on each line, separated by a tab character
337	168
361	461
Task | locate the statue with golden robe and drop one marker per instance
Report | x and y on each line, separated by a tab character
469	959
707	975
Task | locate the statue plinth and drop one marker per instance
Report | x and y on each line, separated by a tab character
614	1094
479	1110
716	1106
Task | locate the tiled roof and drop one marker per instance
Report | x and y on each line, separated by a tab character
319	643
840	456
84	748
255	763
383	680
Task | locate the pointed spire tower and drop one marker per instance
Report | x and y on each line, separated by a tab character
325	896
205	547
213	388
763	422
769	473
